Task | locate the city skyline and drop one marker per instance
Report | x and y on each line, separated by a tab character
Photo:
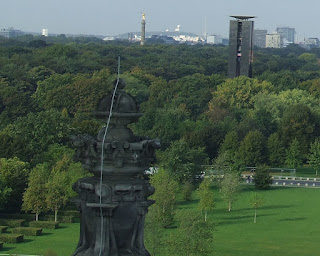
111	18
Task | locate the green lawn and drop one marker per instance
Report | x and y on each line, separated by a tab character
288	224
63	241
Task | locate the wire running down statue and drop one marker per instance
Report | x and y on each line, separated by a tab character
114	202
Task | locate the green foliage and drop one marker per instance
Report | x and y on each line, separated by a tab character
12	223
186	191
256	201
206	202
28	231
262	177
182	161
314	155
276	151
11	238
3	229
294	157
252	149
194	236
44	224
165	197
230	187
14	175
34	198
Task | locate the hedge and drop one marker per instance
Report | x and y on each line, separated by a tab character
27	217
11	238
3	229
28	231
44	224
12	223
1	245
62	219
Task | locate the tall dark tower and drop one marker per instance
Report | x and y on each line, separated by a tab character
143	29
240	46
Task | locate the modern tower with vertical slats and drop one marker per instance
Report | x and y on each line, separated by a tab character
240	46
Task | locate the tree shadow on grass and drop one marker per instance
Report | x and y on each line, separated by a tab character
294	219
27	240
267	207
7	248
239	219
46	234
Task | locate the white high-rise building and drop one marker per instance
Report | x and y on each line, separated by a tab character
45	32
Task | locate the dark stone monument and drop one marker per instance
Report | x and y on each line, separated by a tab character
113	204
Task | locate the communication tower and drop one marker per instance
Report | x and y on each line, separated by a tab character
143	29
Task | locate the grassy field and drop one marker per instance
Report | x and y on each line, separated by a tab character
288	224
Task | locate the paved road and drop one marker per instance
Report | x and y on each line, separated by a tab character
296	183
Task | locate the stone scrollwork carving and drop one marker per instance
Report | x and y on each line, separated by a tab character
113	209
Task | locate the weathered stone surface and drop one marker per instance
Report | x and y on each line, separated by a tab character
113	208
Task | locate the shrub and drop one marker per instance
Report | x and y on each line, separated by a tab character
3	229
44	224
1	246
11	238
62	219
12	223
27	217
262	178
28	231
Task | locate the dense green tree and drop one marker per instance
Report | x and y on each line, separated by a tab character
182	161
294	157
276	150
34	198
314	155
262	177
252	149
165	197
14	175
194	237
56	196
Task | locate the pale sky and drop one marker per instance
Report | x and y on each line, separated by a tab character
105	17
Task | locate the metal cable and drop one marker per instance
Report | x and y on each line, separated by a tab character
102	154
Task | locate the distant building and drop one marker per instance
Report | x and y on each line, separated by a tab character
287	34
45	32
311	43
10	32
214	39
240	46
143	29
162	38
259	37
273	41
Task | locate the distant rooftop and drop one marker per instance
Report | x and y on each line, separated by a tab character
240	17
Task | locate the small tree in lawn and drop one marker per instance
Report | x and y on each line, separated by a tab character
314	156
34	198
230	186
57	194
206	203
256	201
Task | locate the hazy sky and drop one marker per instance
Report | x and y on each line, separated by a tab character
107	17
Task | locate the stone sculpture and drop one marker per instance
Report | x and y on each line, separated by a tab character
113	205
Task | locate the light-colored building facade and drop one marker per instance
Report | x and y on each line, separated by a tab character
273	41
214	39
